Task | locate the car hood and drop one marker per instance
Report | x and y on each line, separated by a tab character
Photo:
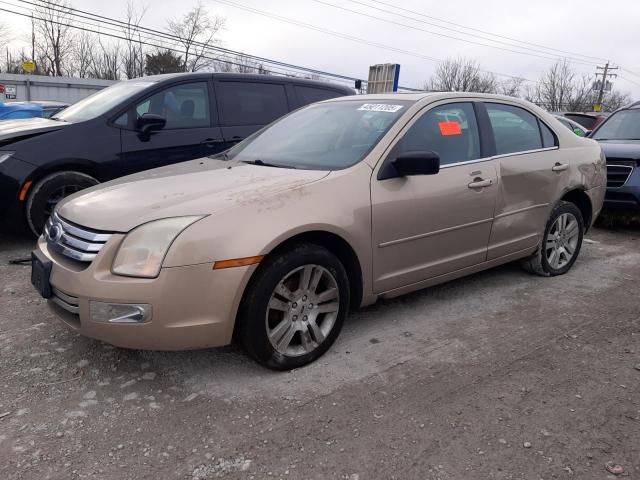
26	127
623	149
197	187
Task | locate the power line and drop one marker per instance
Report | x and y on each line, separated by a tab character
348	37
132	27
444	35
119	37
139	28
628	79
414	12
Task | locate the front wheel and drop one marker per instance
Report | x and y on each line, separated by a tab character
46	194
561	242
294	307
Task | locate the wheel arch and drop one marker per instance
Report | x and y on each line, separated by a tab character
337	245
67	165
581	200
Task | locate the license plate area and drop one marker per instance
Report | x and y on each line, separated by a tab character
40	273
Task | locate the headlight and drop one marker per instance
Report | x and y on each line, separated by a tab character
5	156
142	251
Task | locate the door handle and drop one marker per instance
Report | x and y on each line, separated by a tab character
211	142
560	167
480	183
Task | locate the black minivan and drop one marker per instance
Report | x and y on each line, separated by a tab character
137	125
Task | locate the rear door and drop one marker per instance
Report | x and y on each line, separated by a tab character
191	130
247	106
530	177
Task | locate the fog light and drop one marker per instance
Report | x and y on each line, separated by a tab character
120	312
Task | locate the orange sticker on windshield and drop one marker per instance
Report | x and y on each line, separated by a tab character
450	128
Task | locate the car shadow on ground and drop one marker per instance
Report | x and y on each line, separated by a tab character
373	339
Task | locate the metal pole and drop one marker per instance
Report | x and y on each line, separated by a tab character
602	84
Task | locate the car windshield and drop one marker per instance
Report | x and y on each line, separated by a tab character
101	102
323	136
623	125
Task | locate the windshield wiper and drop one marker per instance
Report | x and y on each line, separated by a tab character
261	163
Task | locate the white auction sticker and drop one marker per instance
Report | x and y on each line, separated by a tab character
380	107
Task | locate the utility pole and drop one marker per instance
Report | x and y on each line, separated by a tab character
603	84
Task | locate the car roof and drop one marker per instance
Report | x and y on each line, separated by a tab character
431	96
244	76
34	103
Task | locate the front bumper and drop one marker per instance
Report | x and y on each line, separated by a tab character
13	174
192	306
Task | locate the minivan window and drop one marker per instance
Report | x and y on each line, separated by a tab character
251	103
101	102
514	129
322	136
183	106
307	95
449	130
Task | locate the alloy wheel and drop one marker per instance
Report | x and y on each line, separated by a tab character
562	240
302	310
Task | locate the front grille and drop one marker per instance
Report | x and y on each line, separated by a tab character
618	172
73	241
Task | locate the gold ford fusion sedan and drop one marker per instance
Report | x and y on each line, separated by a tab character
333	206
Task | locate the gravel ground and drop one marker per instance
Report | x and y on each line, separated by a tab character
501	375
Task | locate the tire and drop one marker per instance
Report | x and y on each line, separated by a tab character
560	244
285	326
45	195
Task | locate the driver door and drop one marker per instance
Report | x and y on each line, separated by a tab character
191	130
425	226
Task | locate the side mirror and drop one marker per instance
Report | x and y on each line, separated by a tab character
416	163
150	123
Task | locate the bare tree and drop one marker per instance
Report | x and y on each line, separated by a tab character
462	75
134	55
512	87
106	62
196	32
6	34
561	89
83	54
615	99
239	63
53	39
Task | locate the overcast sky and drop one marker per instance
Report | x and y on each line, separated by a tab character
605	30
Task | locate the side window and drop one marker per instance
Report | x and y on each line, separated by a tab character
122	120
449	130
514	129
183	106
548	137
308	95
247	103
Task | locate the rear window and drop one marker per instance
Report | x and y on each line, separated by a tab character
251	103
548	137
308	95
585	120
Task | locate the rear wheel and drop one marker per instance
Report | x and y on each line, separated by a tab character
294	307
46	194
561	243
